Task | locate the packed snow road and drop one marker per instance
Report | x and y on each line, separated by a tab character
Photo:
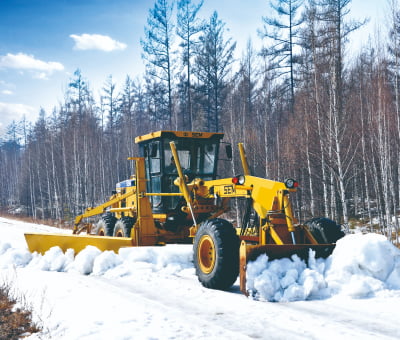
153	293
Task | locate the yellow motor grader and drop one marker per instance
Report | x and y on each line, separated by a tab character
175	196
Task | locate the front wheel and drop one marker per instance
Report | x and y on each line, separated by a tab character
216	254
324	230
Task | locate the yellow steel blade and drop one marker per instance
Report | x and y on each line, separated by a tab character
43	242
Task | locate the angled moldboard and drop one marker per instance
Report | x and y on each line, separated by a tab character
43	242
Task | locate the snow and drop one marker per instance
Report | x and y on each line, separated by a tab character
360	266
153	292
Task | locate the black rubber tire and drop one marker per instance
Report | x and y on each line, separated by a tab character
123	227
324	230
105	226
216	254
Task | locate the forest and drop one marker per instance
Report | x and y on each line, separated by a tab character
304	104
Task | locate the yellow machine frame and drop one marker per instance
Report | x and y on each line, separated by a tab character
278	230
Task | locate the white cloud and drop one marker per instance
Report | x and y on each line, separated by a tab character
7	92
96	42
23	61
41	75
13	111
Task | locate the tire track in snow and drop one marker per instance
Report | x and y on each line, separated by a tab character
208	309
369	324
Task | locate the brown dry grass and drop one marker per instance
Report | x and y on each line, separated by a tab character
15	322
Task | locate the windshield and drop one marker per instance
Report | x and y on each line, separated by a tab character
197	156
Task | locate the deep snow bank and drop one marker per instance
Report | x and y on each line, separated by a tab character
168	260
360	266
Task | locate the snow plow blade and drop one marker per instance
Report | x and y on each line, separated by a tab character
250	253
43	242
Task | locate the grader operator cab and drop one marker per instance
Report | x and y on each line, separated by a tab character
198	158
175	196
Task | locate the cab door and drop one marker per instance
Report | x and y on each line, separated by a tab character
153	172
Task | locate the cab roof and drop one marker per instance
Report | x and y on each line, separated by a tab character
178	134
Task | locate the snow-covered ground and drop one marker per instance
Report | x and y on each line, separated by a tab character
153	293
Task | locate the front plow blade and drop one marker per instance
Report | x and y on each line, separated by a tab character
43	242
274	251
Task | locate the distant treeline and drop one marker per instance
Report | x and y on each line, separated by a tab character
305	105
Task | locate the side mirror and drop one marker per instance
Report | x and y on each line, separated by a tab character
228	151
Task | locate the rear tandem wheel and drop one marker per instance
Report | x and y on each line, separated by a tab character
123	227
105	226
216	254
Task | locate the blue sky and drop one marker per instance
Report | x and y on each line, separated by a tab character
42	43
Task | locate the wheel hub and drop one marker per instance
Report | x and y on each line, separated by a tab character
206	254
